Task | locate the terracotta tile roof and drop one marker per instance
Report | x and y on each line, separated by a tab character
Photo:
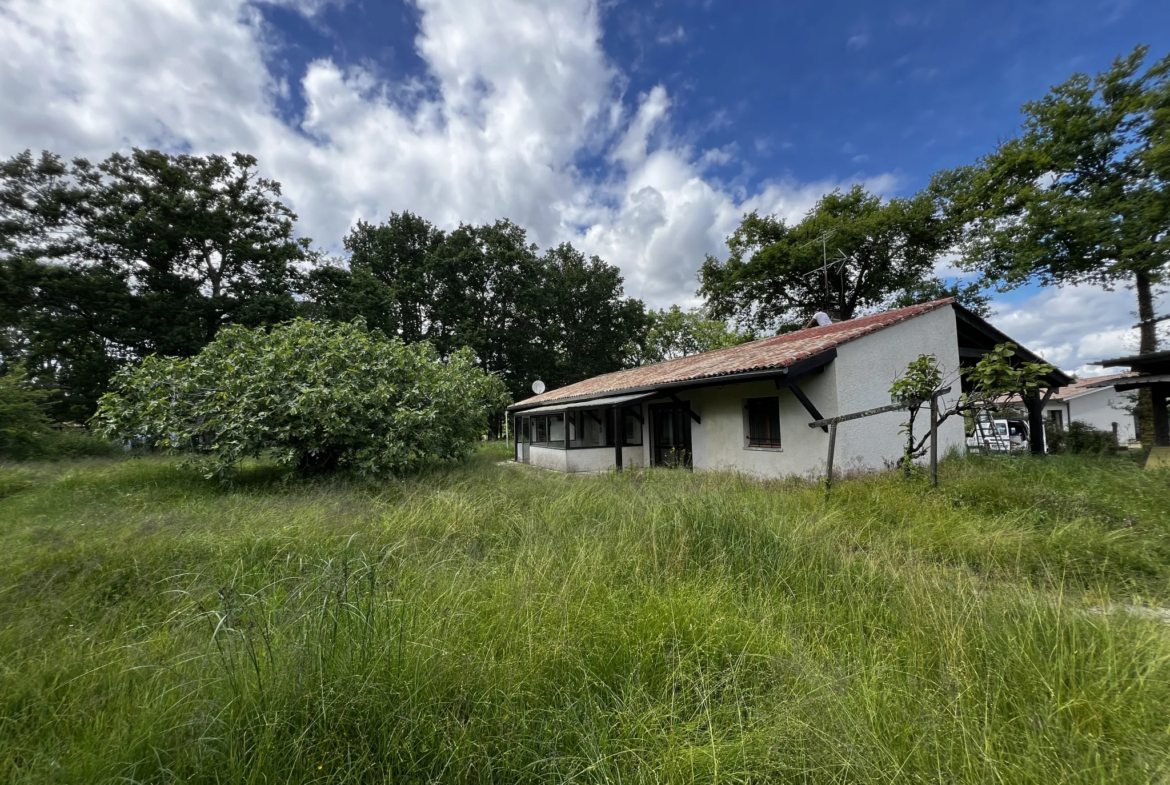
775	352
1082	386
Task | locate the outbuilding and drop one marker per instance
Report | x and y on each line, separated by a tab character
749	407
1096	402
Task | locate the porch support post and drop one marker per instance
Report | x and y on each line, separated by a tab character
829	462
1035	408
618	437
1161	419
934	440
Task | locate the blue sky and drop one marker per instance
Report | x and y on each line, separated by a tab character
825	90
638	131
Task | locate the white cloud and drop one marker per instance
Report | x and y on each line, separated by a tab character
858	41
947	267
1071	326
516	93
676	36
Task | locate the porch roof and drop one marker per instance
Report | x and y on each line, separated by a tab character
591	403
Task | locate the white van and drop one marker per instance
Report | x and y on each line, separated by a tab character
999	436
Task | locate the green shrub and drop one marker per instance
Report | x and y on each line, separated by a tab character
1080	438
315	397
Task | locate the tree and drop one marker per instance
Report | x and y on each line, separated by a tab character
390	281
677	333
204	241
556	316
590	327
877	253
992	381
1080	196
314	396
144	253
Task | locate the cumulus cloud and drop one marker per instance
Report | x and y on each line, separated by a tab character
516	94
1071	326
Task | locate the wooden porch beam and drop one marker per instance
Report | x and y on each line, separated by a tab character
807	404
687	409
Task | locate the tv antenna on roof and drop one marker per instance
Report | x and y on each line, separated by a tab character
836	264
538	387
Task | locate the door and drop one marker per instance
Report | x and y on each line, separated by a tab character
524	443
670	434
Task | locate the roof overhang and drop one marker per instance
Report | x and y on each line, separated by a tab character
1143	381
1152	363
792	372
977	330
591	403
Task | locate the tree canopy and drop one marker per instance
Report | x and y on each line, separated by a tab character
878	254
103	264
1080	195
558	316
149	253
677	333
313	396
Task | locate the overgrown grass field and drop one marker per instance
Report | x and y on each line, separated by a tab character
494	623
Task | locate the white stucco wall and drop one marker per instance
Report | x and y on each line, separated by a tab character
719	442
1100	409
600	459
548	458
868	366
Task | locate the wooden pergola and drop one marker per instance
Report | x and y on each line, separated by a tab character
1153	373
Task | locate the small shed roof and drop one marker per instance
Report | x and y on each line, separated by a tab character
1138	361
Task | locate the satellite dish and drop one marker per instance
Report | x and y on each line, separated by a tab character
538	387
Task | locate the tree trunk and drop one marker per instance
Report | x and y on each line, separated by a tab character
1149	330
1147	344
1035	407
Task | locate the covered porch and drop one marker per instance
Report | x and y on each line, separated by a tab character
976	339
583	436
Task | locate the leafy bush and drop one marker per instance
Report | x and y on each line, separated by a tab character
314	396
1080	439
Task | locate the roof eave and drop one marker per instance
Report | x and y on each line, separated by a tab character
1057	378
803	364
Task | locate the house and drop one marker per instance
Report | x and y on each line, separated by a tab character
749	407
1096	402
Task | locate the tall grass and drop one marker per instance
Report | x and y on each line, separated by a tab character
492	623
